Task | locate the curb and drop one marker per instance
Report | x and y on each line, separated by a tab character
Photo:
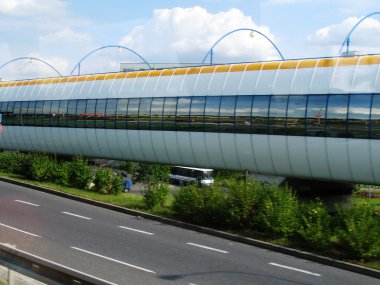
249	241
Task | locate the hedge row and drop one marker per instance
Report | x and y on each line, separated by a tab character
75	173
275	212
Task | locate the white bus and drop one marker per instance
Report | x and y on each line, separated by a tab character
187	175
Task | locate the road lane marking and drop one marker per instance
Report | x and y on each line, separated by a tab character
103	281
206	247
295	269
25	232
114	260
135	230
75	215
28	203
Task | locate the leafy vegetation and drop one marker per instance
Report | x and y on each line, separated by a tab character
232	203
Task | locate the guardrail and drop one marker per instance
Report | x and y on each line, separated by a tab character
21	263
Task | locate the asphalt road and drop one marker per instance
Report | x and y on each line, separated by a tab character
129	250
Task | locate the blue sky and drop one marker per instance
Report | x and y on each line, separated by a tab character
61	32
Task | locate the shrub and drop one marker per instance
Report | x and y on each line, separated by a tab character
106	182
242	200
60	173
204	206
314	225
358	230
12	161
277	210
79	173
156	195
40	167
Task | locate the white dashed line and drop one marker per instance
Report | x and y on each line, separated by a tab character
114	260
135	230
28	203
101	281
294	269
75	215
206	247
21	231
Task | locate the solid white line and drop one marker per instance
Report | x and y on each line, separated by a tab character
295	269
114	260
19	230
24	202
60	265
78	216
206	247
139	231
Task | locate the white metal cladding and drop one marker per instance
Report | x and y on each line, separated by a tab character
321	76
336	159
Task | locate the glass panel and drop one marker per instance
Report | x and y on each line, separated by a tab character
375	117
37	114
71	111
316	115
243	114
277	115
260	107
80	117
24	112
156	113
110	113
358	116
100	113
121	113
183	114
62	113
336	123
211	119
54	113
169	113
227	114
295	121
90	114
133	113
6	112
197	111
144	113
14	108
44	119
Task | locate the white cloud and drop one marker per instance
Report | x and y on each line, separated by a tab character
362	38
32	7
26	68
186	34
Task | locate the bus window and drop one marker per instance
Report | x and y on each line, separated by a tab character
189	175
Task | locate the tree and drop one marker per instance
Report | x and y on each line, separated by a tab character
149	173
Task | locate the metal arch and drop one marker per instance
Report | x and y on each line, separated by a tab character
31	58
210	51
104	47
347	39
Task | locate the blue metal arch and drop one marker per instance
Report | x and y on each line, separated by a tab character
347	39
30	58
210	51
104	47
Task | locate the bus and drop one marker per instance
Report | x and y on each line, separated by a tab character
182	175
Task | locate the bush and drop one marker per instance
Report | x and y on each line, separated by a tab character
156	195
314	225
80	172
277	210
106	182
358	230
242	200
12	161
60	173
39	167
203	206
